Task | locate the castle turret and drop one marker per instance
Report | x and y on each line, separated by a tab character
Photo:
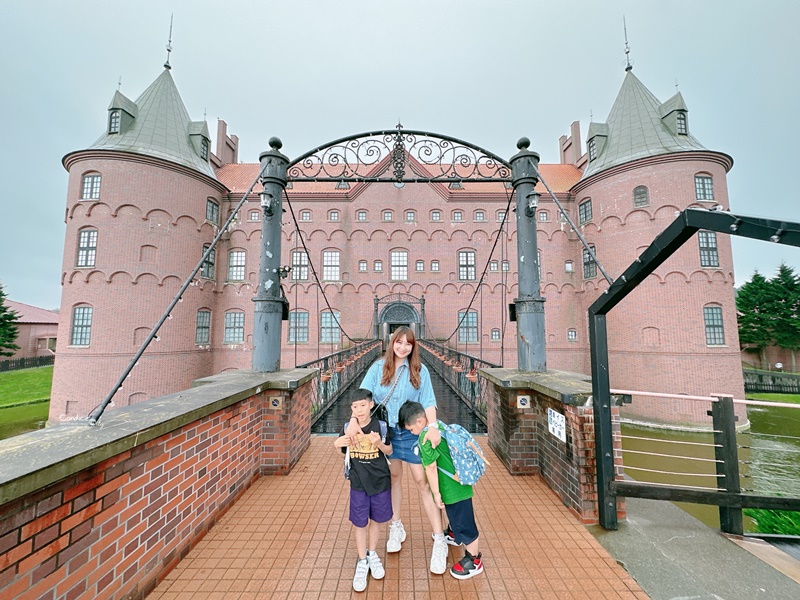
142	202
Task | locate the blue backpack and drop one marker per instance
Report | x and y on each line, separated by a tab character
384	431
468	458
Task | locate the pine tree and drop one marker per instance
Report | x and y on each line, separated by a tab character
756	304
786	286
8	327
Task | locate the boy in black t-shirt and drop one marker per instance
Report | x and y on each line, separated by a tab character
370	485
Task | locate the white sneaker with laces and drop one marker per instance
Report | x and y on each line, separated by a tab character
360	578
375	567
397	535
439	557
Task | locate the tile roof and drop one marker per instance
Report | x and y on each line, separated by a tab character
238	177
635	129
32	314
161	129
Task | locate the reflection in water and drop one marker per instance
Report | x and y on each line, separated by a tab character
451	409
769	457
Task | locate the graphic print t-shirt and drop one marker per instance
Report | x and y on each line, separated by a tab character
369	471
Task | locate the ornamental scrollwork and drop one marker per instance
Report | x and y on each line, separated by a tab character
399	156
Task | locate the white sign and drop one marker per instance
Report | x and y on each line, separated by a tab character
557	424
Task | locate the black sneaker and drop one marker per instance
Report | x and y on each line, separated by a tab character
467	567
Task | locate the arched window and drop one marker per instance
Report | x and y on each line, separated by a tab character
333	215
585	211
681	122
305	215
572	335
207	271
704	187
234	327
90	186
298	327
329	330
377	266
361	215
81	329
87	248
641	196
113	121
388	215
362	266
202	327
212	211
204	149
589	266
436	215
544	216
254	215
420	265
480	215
592	147
236	265
411	216
715	331
434	265
458	215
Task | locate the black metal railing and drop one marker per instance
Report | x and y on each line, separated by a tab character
337	371
31	362
460	372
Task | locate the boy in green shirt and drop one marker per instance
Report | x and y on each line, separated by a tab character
448	493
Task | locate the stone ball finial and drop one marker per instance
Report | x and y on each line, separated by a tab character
523	143
275	143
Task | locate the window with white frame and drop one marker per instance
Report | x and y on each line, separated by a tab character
298	327
114	121
495	337
305	215
361	215
330	265
236	265
202	327
585	212
81	330
641	196
362	266
299	265
212	211
466	265
506	266
704	187
569	266
329	331
715	332
543	215
436	215
234	327
207	271
480	215
411	216
398	269
458	215
681	122
501	214
572	335
589	266
709	256
494	265
90	187
387	215
254	215
377	266
434	265
87	248
333	215
468	326
420	265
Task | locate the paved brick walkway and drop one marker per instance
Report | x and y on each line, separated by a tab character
289	537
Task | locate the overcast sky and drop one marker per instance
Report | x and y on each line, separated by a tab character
311	71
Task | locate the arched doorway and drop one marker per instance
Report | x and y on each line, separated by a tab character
398	311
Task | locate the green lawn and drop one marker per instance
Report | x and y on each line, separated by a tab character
25	385
789	398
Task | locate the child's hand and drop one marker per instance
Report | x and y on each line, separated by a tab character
437	499
374	438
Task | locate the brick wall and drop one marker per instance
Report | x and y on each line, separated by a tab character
521	439
96	513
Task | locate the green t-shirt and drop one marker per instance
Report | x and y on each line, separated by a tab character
449	488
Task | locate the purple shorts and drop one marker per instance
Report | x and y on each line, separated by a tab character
363	507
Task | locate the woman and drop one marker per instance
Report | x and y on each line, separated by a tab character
397	377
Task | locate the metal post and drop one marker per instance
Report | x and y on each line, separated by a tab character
530	304
375	318
422	316
268	302
727	454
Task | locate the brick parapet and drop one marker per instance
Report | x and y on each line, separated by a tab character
106	512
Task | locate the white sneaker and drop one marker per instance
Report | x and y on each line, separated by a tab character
360	578
375	567
397	535
439	557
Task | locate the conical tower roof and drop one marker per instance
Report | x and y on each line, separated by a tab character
161	128
636	129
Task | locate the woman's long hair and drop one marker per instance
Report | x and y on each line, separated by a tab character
414	363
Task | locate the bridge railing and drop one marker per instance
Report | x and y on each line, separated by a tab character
460	372
336	372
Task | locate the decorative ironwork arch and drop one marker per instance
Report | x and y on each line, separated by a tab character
389	155
399	312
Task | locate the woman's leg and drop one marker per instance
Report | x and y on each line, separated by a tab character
396	469
433	512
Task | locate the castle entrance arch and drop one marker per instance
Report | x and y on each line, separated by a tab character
397	310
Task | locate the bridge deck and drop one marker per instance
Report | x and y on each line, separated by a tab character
289	537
